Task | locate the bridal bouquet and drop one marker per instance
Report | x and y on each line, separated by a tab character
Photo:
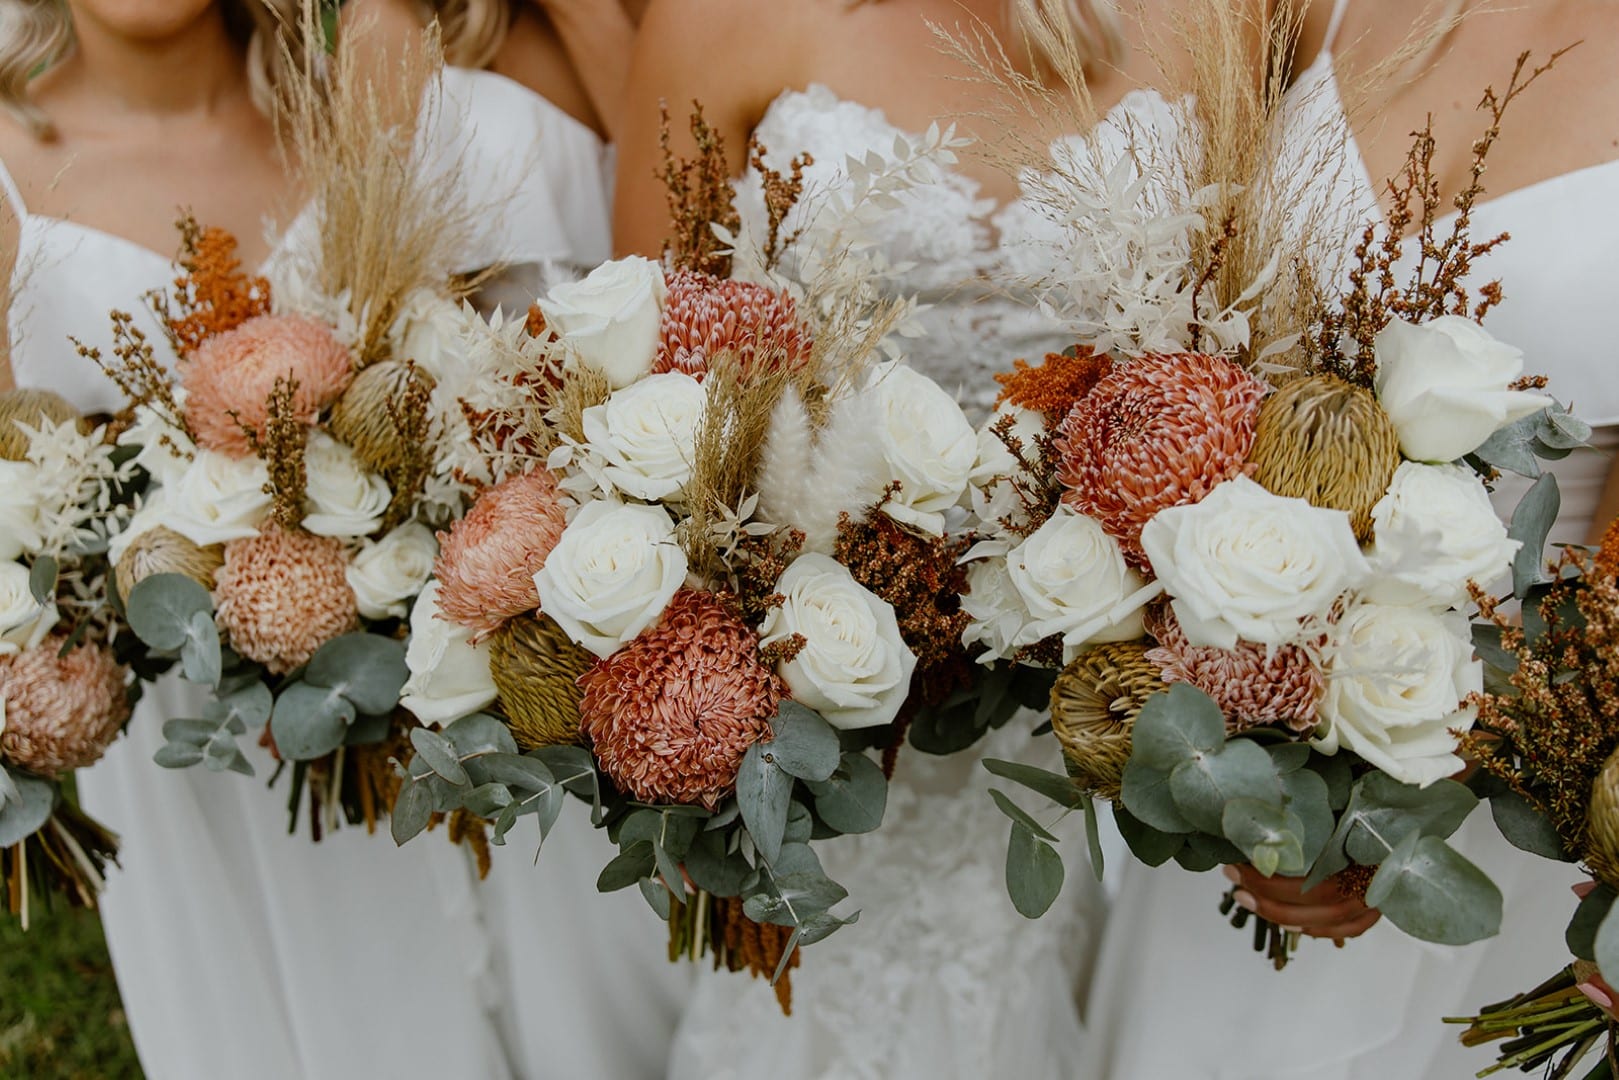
713	574
1247	519
66	685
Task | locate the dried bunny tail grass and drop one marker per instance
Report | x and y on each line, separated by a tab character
390	218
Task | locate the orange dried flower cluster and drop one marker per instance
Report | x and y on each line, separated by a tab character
1056	386
213	295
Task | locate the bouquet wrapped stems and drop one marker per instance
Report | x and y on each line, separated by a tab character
716	925
66	857
1551	1028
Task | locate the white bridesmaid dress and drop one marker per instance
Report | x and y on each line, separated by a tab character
1180	994
243	952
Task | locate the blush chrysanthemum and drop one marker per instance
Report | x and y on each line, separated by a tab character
282	595
235	372
1251	685
704	316
61	712
487	560
1159	431
672	713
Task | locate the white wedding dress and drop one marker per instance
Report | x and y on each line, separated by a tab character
246	953
1178	993
941	978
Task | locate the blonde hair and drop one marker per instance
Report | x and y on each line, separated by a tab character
34	34
472	31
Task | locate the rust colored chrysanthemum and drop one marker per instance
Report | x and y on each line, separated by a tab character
35	408
281	595
1251	687
1094	703
536	669
487	560
61	711
1056	386
704	316
1329	442
164	551
229	378
672	713
1159	431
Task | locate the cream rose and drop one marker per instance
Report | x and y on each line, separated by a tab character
342	499
610	320
1247	565
997	611
24	621
1073	580
219	498
647	433
854	668
1445	384
449	676
19	509
386	573
927	445
1396	680
611	574
1435	531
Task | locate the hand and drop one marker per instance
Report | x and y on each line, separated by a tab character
1321	912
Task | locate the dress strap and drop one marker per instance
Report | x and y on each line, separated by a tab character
12	192
1339	7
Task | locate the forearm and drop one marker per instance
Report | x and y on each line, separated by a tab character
598	36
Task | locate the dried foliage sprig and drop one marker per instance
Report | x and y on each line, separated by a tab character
140	376
700	197
781	193
213	295
411	413
282	448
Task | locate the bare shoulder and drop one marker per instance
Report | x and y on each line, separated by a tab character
732	55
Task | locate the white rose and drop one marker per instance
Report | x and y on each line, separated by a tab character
341	498
431	331
219	498
1445	386
24	621
386	573
647	432
854	668
19	509
1246	564
1396	679
996	609
163	447
610	320
449	676
927	445
1435	531
611	574
1072	578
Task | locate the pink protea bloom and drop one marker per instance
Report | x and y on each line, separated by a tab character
704	316
487	561
672	713
235	372
61	711
282	595
1252	686
1160	431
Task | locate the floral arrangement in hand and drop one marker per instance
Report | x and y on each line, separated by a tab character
712	579
1252	558
66	680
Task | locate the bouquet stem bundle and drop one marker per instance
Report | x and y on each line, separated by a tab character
66	858
1551	1028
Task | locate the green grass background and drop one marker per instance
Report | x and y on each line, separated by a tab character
60	1014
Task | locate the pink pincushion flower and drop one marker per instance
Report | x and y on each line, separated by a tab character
672	713
704	316
282	595
61	712
1251	686
487	561
1160	431
235	372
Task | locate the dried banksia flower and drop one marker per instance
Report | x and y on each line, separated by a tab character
1252	685
1094	703
282	595
704	316
671	714
1159	431
34	408
536	669
487	560
1601	851
163	551
365	416
1328	442
61	712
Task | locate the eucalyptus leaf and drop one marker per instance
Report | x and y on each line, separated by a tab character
1607	945
42	579
1581	935
1340	778
1034	872
804	745
793	898
1386	811
854	799
221	754
160	608
199	654
712	868
1309	798
1511	448
480	733
1192	857
1289	757
189	731
1204	785
439	754
629	866
657	897
1271	836
412	810
27	809
1426	888
518	771
1531	523
488	800
1525	827
763	791
1057	787
178	755
368	669
1487	644
1093	836
309	722
1152	846
1175	726
800	824
819	928
948	728
1146	794
1019	816
673	879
